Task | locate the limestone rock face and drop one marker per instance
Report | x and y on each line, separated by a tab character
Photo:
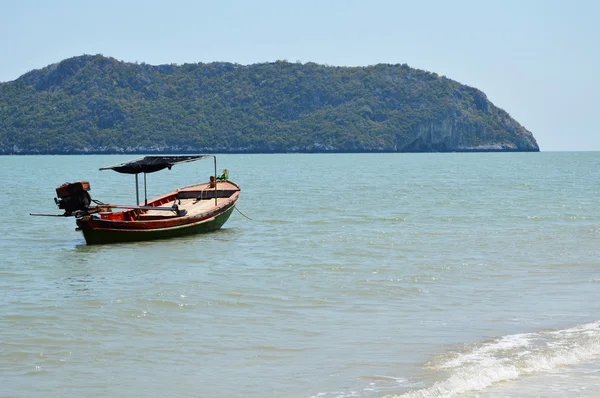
463	134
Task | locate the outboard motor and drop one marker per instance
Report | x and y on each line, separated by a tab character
73	197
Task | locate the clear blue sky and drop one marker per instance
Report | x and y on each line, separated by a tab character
537	59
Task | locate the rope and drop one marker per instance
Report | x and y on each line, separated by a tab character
242	213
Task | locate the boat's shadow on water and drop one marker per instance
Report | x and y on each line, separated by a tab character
93	271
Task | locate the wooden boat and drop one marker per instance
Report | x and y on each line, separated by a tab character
188	210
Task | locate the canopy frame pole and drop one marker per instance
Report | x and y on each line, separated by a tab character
145	191
137	190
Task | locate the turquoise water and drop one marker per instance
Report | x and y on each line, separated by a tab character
359	275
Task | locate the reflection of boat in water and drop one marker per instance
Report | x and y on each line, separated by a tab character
189	210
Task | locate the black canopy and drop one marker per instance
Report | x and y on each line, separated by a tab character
150	164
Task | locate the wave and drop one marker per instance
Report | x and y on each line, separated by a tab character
510	357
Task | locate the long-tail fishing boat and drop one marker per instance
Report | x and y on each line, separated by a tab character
188	210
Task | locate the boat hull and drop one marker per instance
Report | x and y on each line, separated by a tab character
95	234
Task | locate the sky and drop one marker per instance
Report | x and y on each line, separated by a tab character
537	59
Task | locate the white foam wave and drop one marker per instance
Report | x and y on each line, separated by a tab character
510	357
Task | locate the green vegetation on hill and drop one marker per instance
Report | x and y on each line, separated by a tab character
96	104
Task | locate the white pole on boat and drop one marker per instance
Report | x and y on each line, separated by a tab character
137	190
145	192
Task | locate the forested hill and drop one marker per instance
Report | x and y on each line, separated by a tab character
96	104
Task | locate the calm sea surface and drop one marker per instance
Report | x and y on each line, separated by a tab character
363	275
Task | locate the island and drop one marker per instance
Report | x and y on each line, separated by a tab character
93	104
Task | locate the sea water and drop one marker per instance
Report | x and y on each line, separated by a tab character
342	275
